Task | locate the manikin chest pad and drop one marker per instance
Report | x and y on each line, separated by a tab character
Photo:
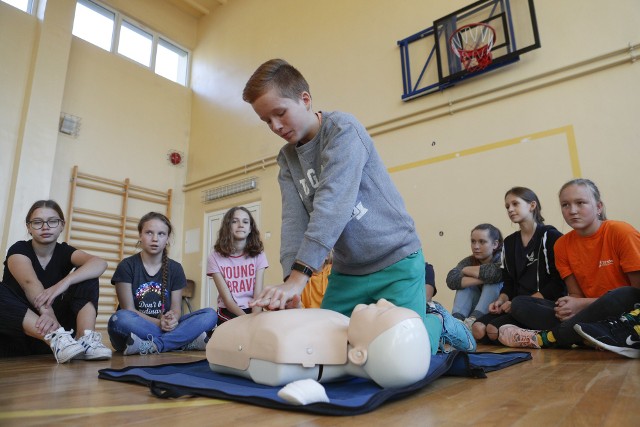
306	337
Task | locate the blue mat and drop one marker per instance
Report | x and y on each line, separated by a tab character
349	397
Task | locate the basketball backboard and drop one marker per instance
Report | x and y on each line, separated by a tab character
429	54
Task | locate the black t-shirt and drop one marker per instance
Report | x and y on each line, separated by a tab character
146	289
58	267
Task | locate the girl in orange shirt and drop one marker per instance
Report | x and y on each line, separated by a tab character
599	260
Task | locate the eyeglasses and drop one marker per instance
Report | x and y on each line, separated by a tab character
37	224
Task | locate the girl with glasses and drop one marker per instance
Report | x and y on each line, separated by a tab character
49	290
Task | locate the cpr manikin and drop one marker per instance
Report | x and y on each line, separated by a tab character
381	342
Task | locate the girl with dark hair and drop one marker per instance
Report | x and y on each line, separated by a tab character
528	263
237	264
149	287
50	289
477	279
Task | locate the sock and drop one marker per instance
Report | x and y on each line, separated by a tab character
434	329
633	316
546	339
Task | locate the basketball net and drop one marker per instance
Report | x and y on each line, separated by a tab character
472	44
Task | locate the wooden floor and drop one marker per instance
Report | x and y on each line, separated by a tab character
557	388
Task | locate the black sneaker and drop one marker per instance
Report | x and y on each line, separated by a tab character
621	335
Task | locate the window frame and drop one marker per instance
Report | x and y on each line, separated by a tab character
119	20
32	6
183	75
134	27
96	6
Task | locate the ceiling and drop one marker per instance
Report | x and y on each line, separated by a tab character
197	8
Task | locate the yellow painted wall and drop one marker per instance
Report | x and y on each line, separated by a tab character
160	16
130	117
17	35
572	102
568	92
33	145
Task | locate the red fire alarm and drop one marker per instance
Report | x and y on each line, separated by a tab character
175	157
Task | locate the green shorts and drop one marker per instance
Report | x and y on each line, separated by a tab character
401	283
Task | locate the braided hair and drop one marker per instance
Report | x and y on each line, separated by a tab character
165	257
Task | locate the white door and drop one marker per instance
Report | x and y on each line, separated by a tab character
212	222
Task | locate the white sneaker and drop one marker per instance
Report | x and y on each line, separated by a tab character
63	345
136	345
93	347
200	343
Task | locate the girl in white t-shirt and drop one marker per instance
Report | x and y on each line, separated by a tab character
237	264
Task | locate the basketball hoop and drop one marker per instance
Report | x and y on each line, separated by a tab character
472	44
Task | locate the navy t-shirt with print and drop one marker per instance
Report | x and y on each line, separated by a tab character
145	287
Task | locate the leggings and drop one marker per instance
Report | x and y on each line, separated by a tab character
539	314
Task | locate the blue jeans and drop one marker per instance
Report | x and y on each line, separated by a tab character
539	314
190	326
474	301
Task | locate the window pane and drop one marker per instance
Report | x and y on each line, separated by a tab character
94	24
135	43
171	62
23	5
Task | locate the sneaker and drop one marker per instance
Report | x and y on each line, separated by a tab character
454	333
136	345
514	336
200	343
63	345
468	322
621	335
93	347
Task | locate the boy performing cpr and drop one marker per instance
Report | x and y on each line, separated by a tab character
336	193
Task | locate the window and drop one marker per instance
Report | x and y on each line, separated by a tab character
94	24
114	32
135	43
171	62
23	5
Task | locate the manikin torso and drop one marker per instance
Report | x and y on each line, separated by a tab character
381	342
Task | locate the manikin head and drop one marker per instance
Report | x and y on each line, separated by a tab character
389	343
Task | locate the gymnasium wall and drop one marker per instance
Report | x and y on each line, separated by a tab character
15	61
567	109
130	117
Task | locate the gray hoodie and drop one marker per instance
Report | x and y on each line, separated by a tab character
337	193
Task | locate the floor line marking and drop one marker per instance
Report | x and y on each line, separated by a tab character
108	409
